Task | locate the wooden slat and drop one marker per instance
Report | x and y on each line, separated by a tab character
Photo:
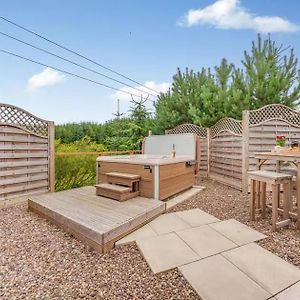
23	163
10	130
23	139
22	171
227	157
226	174
24	155
226	167
221	151
24	187
235	183
22	146
226	161
228	138
23	179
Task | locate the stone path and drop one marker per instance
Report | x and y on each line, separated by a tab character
218	258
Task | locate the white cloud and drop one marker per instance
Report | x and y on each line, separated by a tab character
229	14
47	77
159	87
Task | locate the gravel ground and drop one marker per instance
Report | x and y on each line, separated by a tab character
225	203
40	261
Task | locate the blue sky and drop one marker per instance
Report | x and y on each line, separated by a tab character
145	40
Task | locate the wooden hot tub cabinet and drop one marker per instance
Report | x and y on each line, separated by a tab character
161	176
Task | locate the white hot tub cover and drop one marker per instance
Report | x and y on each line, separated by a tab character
185	144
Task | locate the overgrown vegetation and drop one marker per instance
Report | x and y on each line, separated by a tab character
74	171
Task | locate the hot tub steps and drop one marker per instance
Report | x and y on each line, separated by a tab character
130	180
114	191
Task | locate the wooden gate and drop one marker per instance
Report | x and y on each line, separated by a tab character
26	153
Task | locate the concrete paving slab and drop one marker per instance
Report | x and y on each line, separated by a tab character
205	241
215	278
184	196
270	271
142	233
168	223
196	217
292	293
166	252
237	232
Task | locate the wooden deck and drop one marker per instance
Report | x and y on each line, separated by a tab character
96	220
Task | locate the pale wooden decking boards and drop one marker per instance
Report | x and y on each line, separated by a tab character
97	220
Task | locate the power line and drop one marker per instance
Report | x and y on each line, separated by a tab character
67	72
72	62
76	53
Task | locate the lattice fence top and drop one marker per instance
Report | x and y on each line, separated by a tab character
188	128
12	115
226	124
274	111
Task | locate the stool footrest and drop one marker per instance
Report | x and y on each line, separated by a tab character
283	223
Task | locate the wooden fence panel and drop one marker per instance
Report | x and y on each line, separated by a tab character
262	138
26	153
225	152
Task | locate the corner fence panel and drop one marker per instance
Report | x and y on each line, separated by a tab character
264	125
225	148
202	133
26	153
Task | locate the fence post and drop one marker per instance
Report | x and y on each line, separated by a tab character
208	152
245	150
51	157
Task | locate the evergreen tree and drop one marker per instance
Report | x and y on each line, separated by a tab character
271	76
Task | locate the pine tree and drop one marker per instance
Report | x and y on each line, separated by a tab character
271	76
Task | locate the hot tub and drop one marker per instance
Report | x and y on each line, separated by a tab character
162	176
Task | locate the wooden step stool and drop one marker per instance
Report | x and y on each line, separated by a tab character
119	186
259	180
114	191
126	179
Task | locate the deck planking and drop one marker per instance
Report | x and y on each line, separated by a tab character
97	220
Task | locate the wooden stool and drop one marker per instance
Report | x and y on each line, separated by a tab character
259	180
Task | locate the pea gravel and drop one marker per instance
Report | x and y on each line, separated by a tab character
40	261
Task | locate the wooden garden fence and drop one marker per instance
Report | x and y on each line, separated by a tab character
26	153
228	147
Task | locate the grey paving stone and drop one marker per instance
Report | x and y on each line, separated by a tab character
184	196
141	233
196	217
166	252
215	278
205	241
168	223
270	271
292	293
237	232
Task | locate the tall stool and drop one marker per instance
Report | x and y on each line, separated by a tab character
259	180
